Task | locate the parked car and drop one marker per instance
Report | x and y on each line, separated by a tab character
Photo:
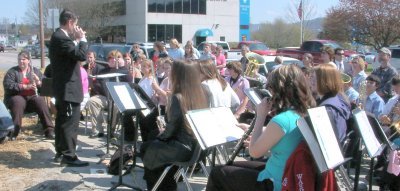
102	50
269	63
229	56
37	52
1	47
10	47
30	49
313	47
370	57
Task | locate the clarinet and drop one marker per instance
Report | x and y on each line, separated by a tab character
240	144
31	77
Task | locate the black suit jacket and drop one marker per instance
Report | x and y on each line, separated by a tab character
64	56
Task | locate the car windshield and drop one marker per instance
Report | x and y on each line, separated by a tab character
334	45
395	53
258	46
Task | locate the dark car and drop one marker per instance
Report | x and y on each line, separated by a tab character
1	47
30	49
102	50
38	53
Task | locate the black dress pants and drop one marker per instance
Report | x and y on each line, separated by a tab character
238	177
66	130
19	104
168	183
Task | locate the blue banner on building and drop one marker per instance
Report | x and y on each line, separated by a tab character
244	32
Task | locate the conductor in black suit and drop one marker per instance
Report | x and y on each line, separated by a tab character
68	45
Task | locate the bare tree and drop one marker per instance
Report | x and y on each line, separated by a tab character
372	22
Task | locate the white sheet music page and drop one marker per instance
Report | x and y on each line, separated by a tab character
215	125
109	75
255	97
367	133
326	136
124	96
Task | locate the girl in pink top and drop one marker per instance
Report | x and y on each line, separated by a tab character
85	87
164	88
220	60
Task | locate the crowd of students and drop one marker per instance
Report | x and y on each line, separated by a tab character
177	80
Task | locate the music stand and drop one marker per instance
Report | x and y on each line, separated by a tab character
126	100
110	107
374	138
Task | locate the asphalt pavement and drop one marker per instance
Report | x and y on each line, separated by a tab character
9	58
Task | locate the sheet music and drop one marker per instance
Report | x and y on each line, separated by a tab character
326	136
109	75
126	99
215	125
312	143
367	133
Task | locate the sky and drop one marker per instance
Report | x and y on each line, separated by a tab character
269	10
260	10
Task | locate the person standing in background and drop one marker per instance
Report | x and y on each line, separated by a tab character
68	45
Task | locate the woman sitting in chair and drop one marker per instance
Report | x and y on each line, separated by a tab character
291	97
176	143
20	95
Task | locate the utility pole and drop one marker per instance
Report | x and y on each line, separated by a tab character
42	58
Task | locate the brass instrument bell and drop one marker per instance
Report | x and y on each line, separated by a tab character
255	60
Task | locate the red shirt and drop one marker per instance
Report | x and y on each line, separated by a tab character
30	92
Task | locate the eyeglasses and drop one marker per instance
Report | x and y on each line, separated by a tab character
370	82
340	54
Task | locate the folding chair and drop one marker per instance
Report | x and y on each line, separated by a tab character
182	166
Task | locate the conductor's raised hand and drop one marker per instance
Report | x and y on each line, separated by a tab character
79	33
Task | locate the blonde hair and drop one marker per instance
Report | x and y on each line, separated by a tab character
114	54
359	61
174	42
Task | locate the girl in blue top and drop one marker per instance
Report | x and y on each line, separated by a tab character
290	101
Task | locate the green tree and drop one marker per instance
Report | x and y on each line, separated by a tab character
369	22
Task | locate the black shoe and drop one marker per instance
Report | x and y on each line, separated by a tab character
100	135
74	162
57	158
50	135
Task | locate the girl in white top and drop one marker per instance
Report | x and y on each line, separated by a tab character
164	89
219	93
148	78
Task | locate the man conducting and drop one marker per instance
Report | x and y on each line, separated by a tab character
67	46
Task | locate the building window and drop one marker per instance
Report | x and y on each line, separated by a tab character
202	7
222	38
164	32
177	6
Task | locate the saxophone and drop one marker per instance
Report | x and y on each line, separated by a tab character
363	94
395	124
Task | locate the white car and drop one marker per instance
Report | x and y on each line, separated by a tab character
269	62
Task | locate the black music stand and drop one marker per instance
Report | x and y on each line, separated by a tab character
126	100
373	136
110	116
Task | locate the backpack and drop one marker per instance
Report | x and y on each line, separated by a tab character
127	155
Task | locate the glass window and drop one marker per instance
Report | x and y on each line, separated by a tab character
152	6
169	32
169	6
186	6
152	31
178	6
160	32
178	32
202	6
160	6
194	6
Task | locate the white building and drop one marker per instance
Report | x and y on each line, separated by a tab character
197	20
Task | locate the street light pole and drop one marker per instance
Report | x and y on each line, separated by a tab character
42	61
